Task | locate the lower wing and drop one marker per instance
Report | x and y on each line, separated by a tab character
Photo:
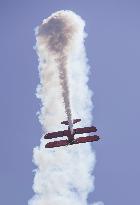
57	144
76	141
86	139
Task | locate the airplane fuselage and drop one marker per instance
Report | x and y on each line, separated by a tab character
70	136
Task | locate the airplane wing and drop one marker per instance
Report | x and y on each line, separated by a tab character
76	141
57	144
56	134
85	130
53	135
86	139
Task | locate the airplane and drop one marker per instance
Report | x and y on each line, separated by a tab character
71	140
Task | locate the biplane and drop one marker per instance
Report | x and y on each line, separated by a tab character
70	134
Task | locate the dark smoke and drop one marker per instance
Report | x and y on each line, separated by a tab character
57	34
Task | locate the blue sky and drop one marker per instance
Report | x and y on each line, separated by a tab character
113	49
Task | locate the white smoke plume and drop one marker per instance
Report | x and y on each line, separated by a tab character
98	203
63	175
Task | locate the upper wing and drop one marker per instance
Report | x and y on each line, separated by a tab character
56	134
67	132
53	135
85	130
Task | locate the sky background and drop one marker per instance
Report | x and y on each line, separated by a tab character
113	49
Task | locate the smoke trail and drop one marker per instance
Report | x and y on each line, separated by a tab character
58	33
63	175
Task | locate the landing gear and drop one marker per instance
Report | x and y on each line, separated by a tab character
71	141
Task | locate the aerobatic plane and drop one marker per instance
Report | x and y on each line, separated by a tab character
70	135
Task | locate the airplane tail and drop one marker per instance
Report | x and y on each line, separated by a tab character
74	121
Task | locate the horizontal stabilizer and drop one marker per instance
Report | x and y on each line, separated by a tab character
74	121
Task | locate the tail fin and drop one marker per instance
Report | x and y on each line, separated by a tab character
74	121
